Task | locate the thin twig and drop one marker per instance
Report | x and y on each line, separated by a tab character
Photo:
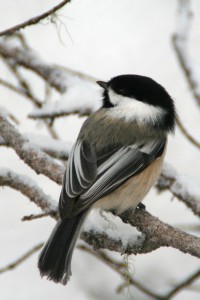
184	284
23	83
20	260
79	74
10	115
20	91
22	40
53	213
120	269
186	133
34	20
179	42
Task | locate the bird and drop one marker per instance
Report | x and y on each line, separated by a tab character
116	159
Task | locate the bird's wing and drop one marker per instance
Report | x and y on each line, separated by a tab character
90	177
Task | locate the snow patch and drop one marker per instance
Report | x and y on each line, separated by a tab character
81	97
113	227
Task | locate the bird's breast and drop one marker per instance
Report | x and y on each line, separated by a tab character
133	191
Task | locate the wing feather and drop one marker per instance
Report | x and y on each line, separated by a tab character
90	176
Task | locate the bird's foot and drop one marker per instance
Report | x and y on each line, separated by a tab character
141	206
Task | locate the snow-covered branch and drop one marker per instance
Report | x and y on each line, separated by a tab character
28	188
182	187
40	162
72	102
46	114
28	59
155	233
55	148
159	234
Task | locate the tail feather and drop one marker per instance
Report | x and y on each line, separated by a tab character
55	258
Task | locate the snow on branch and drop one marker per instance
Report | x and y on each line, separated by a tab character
182	187
159	234
155	234
29	188
179	41
34	20
79	99
28	59
55	110
40	162
55	148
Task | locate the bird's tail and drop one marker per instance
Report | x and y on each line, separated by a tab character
55	258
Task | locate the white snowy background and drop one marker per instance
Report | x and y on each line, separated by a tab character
102	38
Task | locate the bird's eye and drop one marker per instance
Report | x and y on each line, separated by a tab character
121	91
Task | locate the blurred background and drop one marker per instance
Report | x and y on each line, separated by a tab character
101	39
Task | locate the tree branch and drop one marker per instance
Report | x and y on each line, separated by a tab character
185	283
53	213
120	269
179	42
159	234
54	152
40	162
27	59
34	20
28	188
40	114
20	260
79	74
182	188
186	133
21	92
25	87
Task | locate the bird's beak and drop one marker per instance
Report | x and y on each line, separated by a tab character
103	84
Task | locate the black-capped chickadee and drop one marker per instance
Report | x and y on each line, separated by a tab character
115	161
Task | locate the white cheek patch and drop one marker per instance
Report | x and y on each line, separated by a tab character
131	109
115	99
